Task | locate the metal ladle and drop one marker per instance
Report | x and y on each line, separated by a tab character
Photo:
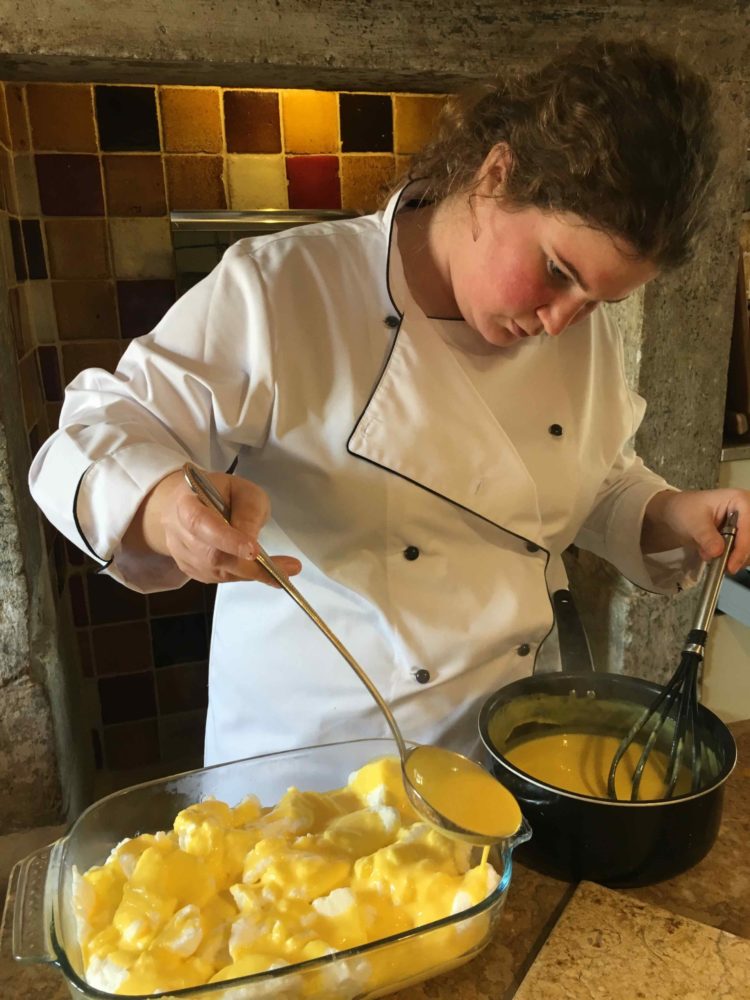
210	496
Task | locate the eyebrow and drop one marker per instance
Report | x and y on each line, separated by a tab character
578	279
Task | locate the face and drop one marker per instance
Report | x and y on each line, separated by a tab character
516	274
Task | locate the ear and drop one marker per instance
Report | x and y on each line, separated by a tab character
494	171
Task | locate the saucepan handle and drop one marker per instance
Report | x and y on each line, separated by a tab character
31	904
575	653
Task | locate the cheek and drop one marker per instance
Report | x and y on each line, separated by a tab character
519	289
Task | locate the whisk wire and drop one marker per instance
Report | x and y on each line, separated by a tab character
680	691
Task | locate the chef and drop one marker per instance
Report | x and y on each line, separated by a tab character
416	410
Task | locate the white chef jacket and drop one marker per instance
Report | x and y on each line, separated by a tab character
426	542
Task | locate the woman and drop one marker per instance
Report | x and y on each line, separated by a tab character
431	400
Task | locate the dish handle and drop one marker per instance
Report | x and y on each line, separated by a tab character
30	899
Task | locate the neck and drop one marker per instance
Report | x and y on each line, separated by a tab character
421	234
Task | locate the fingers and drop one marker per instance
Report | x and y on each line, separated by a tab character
208	549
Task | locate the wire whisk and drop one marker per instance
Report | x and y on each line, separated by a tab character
679	699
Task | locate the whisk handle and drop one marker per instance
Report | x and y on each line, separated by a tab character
714	576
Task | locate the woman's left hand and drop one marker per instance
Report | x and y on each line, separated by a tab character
693	518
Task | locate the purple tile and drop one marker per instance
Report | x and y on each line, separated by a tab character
49	366
179	639
126	117
142	304
182	688
132	744
32	238
110	602
121	648
366	122
78	601
69	184
19	258
127	698
185	599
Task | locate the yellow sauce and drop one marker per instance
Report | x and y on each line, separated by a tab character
231	892
580	762
463	792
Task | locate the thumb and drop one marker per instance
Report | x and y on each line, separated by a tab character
709	541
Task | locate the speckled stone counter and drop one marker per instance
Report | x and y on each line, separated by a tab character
607	944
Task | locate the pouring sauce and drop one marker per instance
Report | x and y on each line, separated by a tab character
463	792
580	763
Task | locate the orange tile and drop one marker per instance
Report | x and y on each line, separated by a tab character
17	120
85	310
134	184
77	248
414	117
403	163
18	322
311	121
365	181
195	182
191	119
4	126
61	117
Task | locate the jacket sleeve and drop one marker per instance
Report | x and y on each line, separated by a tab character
612	529
198	387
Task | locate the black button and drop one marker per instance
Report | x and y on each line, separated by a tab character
411	552
555	430
392	321
524	649
530	547
422	676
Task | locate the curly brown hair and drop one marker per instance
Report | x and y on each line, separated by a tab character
618	133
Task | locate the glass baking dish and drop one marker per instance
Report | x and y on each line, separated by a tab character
41	886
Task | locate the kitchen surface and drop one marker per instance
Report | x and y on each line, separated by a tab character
686	937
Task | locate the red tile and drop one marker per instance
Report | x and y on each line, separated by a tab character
313	181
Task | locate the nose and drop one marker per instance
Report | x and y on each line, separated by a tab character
558	315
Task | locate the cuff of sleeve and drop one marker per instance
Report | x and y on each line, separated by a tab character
109	494
660	572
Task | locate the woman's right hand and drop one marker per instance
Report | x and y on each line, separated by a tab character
173	522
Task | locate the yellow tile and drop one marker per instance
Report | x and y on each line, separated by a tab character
26	185
257	181
366	181
414	117
17	118
141	248
8	183
42	311
311	121
4	126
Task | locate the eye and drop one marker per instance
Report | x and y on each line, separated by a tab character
554	272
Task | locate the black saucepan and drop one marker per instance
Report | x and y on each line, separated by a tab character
579	837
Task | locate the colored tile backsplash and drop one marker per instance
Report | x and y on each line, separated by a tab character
88	176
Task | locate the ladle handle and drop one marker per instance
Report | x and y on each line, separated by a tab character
205	490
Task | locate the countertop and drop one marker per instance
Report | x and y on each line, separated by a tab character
688	937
